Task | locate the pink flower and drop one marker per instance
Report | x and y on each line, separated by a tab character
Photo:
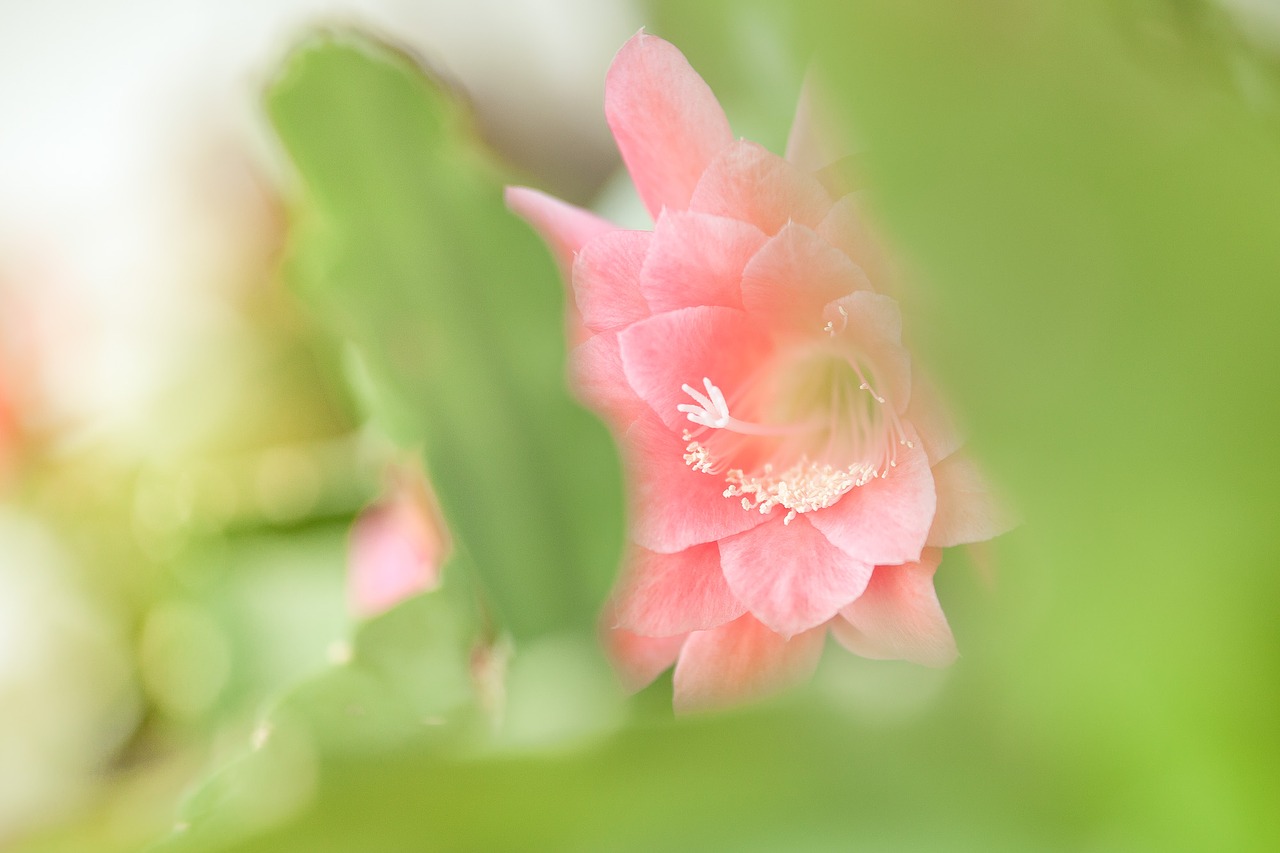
397	546
789	472
9	432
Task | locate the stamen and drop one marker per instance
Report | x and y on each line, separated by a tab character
804	487
846	427
896	434
830	327
865	386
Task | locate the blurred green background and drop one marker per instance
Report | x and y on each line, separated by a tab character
1087	199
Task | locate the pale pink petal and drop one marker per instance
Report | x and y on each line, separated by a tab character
886	520
668	351
606	279
639	659
741	661
397	547
968	509
872	324
665	594
595	374
666	121
698	259
565	227
793	278
390	561
985	559
10	436
933	420
675	507
812	142
790	576
750	183
847	228
899	617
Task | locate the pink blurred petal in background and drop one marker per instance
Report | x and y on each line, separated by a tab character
397	546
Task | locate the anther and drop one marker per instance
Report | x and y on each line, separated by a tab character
830	327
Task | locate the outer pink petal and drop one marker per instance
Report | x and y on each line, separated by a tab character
674	506
639	659
667	351
789	576
595	372
846	227
968	509
899	616
739	662
750	183
566	228
606	279
666	121
886	521
933	420
795	276
665	594
396	550
811	145
698	259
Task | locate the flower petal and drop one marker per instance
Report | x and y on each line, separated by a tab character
790	576
968	509
740	661
667	351
811	144
595	373
666	120
886	521
899	617
566	228
395	552
748	182
933	420
674	506
794	277
847	228
606	279
698	259
665	594
639	659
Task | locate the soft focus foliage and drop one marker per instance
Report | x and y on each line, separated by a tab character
1090	192
1083	196
404	242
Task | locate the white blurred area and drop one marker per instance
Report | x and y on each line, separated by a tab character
138	191
136	169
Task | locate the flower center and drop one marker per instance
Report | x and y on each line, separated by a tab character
811	432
